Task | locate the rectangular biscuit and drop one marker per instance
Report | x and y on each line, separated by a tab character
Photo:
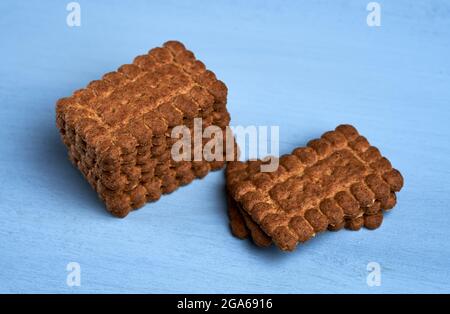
335	181
118	129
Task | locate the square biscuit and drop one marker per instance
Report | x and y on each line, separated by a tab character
118	129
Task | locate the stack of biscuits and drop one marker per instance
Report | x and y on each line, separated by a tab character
118	130
336	181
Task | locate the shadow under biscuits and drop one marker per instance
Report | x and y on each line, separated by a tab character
62	177
270	253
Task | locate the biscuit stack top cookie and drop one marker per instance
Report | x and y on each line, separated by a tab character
118	129
337	180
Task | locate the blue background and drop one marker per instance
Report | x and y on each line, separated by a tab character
304	65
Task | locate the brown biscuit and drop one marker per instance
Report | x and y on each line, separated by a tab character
259	237
242	225
373	215
118	129
237	222
329	184
371	218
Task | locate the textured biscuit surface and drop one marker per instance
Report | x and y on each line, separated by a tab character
242	226
237	223
118	129
336	181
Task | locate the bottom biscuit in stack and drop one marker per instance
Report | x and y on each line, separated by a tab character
242	225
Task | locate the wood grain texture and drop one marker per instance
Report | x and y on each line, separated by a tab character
306	66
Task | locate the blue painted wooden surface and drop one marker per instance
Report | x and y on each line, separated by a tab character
306	66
